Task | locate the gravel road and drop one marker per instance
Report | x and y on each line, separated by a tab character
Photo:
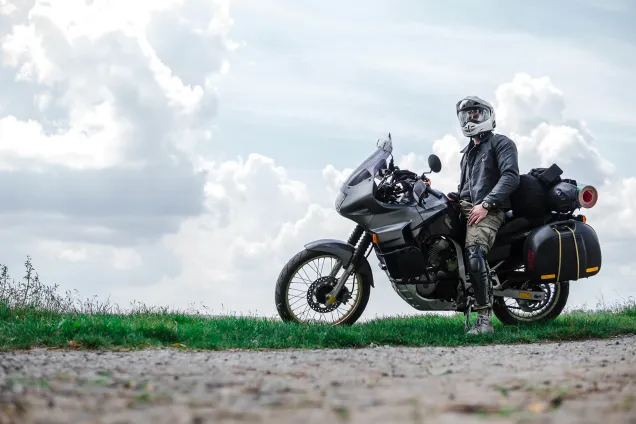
581	382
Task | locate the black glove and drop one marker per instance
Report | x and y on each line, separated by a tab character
453	196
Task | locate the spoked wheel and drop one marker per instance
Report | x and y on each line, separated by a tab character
514	311
303	285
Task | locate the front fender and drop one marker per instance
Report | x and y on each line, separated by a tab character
343	251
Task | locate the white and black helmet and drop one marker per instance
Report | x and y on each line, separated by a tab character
475	116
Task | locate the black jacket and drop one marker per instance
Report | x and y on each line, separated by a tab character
495	171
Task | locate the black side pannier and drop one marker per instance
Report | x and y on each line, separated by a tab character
563	251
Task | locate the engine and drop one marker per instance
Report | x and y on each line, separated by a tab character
441	255
442	268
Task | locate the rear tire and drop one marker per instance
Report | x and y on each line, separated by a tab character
552	310
288	272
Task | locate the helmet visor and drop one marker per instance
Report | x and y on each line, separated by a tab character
475	115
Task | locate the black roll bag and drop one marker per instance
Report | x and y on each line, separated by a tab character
562	251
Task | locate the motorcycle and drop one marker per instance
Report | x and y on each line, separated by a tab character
418	235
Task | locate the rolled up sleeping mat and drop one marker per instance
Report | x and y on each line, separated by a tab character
587	195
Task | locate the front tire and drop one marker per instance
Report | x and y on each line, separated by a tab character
357	287
544	313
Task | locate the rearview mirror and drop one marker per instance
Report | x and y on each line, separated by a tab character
434	163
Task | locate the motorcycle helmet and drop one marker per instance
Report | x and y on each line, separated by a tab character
475	116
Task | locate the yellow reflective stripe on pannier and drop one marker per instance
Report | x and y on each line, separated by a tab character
595	268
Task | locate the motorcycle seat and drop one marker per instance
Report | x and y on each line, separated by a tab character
513	224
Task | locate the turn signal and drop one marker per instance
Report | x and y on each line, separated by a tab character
375	238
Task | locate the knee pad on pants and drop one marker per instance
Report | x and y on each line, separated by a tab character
479	276
475	258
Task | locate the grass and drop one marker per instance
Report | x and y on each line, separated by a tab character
35	315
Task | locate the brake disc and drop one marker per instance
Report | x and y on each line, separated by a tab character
318	291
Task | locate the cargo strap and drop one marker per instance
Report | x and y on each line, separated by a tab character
576	248
559	270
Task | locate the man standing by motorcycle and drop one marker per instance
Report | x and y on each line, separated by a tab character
489	175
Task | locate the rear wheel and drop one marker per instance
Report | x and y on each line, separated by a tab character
303	284
515	311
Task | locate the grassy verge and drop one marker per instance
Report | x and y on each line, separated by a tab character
25	328
34	315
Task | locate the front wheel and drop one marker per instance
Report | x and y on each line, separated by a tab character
303	285
515	311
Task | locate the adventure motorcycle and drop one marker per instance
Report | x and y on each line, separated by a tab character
418	236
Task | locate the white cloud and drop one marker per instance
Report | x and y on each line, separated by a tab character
531	112
94	140
118	257
525	102
334	178
448	149
98	136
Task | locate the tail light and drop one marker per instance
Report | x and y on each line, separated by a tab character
588	196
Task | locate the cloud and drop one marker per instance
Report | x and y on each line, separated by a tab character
531	112
257	218
99	128
448	149
525	102
99	137
334	178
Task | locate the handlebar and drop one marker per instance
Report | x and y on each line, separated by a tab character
397	182
435	193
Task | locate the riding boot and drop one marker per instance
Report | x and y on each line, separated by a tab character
480	279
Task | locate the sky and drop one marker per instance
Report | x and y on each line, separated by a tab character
179	152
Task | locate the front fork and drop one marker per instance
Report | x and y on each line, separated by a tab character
358	234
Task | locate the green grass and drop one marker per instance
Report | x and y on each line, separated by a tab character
26	328
34	315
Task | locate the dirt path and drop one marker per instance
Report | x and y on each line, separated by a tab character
582	382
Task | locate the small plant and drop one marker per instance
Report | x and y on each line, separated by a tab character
31	293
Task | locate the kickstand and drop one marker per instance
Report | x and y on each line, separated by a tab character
469	307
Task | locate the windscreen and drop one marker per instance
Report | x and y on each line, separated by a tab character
369	167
